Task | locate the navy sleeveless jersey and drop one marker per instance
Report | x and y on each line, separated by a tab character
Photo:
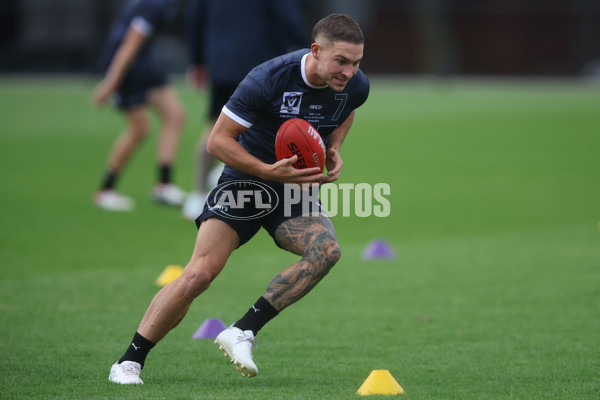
278	90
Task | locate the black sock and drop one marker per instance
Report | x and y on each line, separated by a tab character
109	180
137	350
257	316
164	173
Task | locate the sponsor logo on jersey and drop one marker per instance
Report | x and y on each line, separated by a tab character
291	103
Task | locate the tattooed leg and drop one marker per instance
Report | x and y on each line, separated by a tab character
314	239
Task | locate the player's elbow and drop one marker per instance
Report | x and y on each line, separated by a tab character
211	146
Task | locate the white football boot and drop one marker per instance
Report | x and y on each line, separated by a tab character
126	373
193	206
237	345
168	194
113	201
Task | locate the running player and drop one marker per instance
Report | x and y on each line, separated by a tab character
323	85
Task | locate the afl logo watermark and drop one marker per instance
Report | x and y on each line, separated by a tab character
242	200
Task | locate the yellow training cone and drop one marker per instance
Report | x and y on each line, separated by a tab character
170	273
380	381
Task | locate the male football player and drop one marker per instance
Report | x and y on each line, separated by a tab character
136	80
322	85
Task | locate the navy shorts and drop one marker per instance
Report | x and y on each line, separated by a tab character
247	205
147	72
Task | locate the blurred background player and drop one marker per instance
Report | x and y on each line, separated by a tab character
227	39
136	80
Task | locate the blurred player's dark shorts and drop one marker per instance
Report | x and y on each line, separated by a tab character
219	96
146	73
248	220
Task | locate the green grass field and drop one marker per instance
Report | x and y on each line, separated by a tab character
495	293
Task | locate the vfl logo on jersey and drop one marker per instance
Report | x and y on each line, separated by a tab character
291	103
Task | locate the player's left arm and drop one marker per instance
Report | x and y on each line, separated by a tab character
334	161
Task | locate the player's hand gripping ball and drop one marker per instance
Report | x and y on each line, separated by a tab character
297	137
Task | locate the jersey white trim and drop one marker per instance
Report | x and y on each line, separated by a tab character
234	117
304	78
142	26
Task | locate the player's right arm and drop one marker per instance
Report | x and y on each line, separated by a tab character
128	50
222	144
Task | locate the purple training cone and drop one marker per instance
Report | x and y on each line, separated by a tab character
210	329
378	250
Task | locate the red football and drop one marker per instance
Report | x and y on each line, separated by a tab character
298	137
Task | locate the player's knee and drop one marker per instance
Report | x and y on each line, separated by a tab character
176	117
326	255
196	282
332	254
139	131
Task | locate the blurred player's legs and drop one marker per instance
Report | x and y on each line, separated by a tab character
205	162
168	106
136	130
204	179
165	102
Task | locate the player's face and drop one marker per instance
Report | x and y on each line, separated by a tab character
338	62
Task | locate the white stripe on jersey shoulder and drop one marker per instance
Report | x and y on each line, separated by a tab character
234	117
142	26
304	78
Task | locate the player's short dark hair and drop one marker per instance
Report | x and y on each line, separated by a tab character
338	27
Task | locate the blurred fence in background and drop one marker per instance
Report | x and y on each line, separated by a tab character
437	37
